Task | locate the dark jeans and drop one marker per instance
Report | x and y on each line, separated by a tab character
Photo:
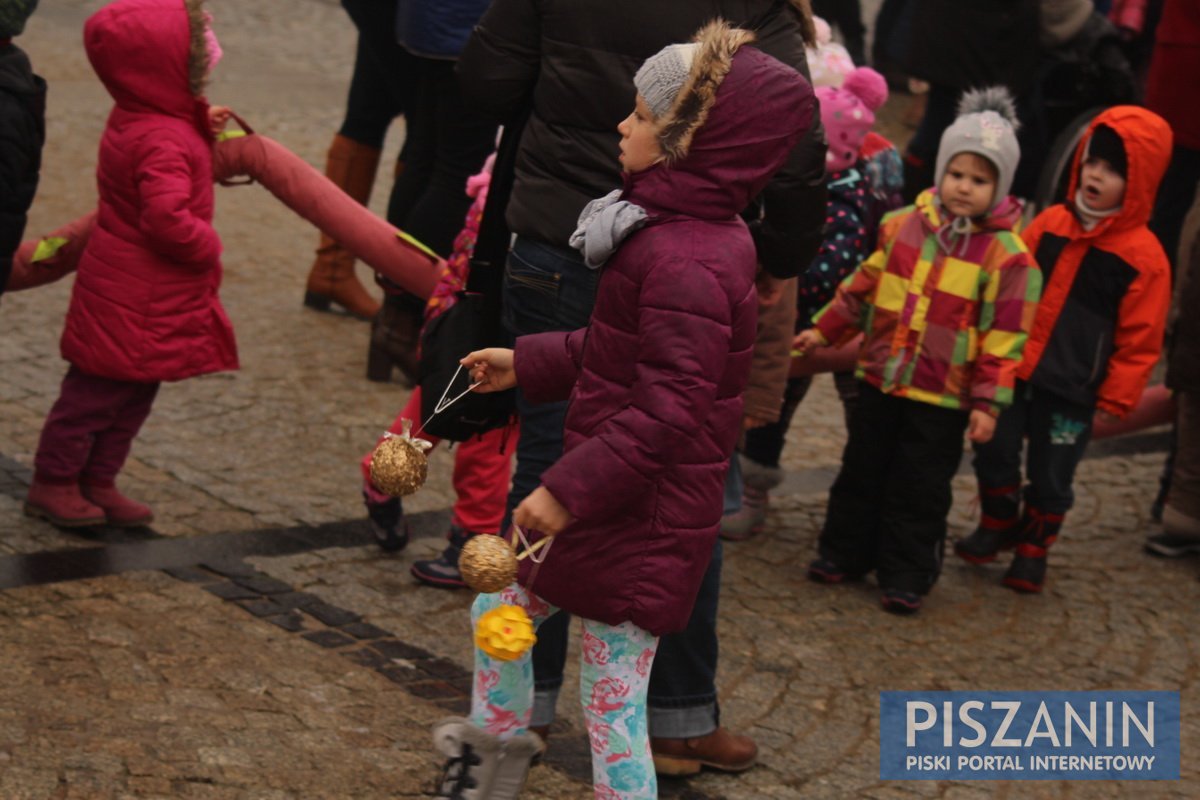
888	506
548	288
1057	432
378	86
446	142
91	428
545	289
764	445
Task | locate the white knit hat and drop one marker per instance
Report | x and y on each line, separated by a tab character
986	126
663	75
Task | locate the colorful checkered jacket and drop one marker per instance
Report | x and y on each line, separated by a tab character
945	315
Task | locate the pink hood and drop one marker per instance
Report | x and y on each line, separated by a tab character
145	53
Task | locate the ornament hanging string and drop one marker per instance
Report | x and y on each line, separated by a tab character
530	550
443	404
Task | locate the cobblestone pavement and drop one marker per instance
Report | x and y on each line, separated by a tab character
316	673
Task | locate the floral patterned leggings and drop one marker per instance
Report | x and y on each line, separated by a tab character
613	679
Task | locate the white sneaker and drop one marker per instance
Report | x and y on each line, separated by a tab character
481	766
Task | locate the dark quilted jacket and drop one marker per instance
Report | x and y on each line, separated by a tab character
655	382
572	63
22	133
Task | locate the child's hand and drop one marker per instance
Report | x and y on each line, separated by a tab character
218	116
981	427
492	369
541	512
807	341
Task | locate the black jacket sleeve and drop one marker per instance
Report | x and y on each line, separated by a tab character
793	221
791	227
498	68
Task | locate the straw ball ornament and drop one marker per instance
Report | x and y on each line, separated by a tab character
488	563
399	465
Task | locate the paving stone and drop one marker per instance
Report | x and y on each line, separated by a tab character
433	690
290	621
364	630
263	584
296	599
231	569
263	607
231	591
396	649
330	614
368	658
328	638
190	574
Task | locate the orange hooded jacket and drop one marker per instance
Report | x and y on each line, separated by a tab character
1098	330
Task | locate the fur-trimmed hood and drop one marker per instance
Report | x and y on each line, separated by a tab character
151	55
736	119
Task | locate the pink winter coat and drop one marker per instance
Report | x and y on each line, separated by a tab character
145	306
656	380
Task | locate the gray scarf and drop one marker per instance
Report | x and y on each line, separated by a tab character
957	232
603	224
1089	217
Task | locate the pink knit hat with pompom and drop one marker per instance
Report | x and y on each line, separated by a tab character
848	114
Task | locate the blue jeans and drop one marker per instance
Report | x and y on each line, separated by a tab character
548	288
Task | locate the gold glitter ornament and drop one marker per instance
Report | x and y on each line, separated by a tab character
399	464
487	563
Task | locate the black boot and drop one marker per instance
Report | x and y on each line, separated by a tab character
395	333
999	525
1028	570
442	571
387	523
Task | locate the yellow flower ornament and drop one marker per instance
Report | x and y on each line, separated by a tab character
505	632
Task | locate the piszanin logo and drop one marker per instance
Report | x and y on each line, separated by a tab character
1029	735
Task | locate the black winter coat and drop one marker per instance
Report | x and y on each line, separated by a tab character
22	133
571	64
967	44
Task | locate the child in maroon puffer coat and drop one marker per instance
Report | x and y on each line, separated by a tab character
144	308
655	385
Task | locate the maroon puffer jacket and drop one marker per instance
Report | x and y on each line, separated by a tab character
656	380
144	306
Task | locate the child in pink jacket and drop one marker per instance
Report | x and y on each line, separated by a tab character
144	308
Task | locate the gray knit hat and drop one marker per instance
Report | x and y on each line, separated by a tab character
13	14
663	75
986	126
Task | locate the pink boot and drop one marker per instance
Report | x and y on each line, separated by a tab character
118	509
62	505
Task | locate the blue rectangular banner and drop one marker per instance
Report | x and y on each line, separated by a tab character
1029	736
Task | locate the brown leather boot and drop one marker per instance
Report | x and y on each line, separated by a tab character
351	165
395	333
720	750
